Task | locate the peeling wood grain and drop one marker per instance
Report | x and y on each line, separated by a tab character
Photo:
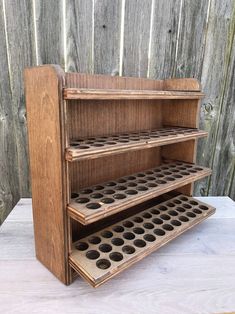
164	38
136	38
79	36
21	50
191	42
107	27
49	25
9	183
214	75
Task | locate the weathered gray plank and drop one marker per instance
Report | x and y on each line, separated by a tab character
136	37
49	25
107	26
224	155
191	41
164	38
214	75
79	36
9	182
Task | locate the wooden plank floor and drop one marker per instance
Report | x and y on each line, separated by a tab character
193	274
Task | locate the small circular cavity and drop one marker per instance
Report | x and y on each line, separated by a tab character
96	195
148	225
94	240
157	221
106	234
86	191
187	206
139	243
82	246
131	178
118	228
161	181
120	188
74	195
132	184
119	196
180	209
103	263
191	215
165	217
173	213
138	230
107	200
193	203
203	207
128	224
128	249
141	181
177	201
183	198
138	219
83	147
117	241
82	200
183	218
155	211
93	205
176	223
140	175
152	185
197	211
141	188
128	235
121	181
149	238
98	187
105	248
116	256
131	192
159	232
109	192
111	184
147	215
167	227
162	207
169	204
92	254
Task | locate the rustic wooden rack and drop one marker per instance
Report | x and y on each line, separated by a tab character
112	164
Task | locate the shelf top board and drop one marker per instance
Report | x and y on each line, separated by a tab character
95	147
99	201
112	94
100	256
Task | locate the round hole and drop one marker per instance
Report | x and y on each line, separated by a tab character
170	179
81	246
167	227
177	202
193	203
140	175
176	223
93	205
98	145
110	143
197	211
110	184
203	207
177	176
116	256
131	178
139	243
86	191
107	200
147	215
157	221
105	248
131	192
129	235
141	181
128	249
152	185
169	204
117	241
191	215
165	217
138	219
121	188
148	225
119	196
109	192
173	213
180	209
92	254
138	230
185	173
161	181
155	211
150	178
183	198
82	200
128	224
159	232
74	195
187	206
141	188
98	187
107	234
183	218
118	229
149	237
103	263
94	240
131	184
197	168
121	181
83	147
162	207
96	195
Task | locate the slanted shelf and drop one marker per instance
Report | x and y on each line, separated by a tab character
103	148
104	254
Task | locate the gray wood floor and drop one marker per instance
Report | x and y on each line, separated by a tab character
193	274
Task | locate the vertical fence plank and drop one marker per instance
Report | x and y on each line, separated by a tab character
214	72
107	26
9	183
191	41
49	25
20	34
136	37
224	150
164	38
79	24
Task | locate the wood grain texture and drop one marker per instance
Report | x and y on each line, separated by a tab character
44	111
21	53
9	182
164	38
49	26
214	77
79	28
136	38
191	41
107	31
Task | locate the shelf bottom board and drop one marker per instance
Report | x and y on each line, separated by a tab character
99	257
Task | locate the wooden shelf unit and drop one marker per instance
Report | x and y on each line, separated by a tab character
103	149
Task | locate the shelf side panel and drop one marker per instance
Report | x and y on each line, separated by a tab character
43	86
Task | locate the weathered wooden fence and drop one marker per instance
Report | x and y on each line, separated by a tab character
143	38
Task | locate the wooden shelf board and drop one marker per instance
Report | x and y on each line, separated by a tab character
104	254
95	147
83	93
102	200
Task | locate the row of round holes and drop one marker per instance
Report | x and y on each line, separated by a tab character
116	256
113	140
